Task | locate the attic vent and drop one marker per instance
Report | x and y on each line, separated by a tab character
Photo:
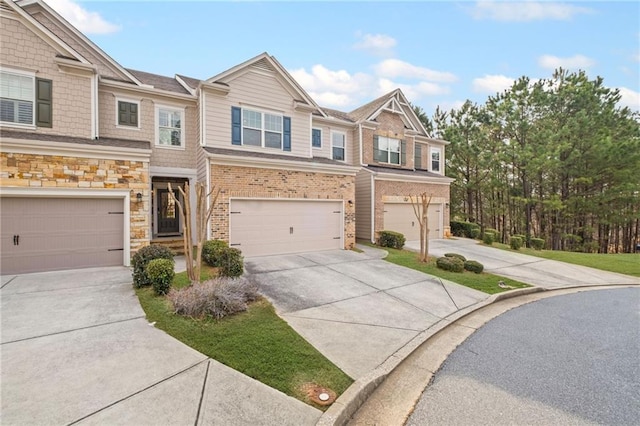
264	65
5	8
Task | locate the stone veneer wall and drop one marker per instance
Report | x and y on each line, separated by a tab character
52	171
405	189
269	183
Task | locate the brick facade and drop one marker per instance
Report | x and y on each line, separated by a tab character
270	183
52	171
385	189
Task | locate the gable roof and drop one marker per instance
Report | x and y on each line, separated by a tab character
269	63
81	38
159	81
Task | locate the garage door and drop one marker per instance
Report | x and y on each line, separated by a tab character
401	218
46	234
264	227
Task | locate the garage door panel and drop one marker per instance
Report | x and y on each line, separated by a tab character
58	233
402	218
263	227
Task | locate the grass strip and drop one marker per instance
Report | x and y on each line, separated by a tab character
257	343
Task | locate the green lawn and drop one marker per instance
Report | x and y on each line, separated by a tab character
257	343
485	282
622	263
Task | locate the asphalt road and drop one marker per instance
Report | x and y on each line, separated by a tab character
572	359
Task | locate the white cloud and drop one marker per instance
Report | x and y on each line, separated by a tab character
393	68
491	84
571	62
85	21
411	91
522	11
629	98
378	44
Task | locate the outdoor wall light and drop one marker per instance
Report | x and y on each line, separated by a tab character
139	196
350	203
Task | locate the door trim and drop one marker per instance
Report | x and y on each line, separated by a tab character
125	195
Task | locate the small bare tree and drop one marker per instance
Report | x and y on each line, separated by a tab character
204	210
420	204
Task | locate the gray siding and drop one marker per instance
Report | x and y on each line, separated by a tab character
326	150
363	205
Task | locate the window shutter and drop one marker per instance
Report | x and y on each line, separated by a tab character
44	111
133	114
418	156
286	133
403	152
376	151
236	126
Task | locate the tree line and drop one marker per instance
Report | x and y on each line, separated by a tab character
555	159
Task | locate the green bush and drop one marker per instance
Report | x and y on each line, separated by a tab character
391	239
459	256
452	264
231	262
211	251
488	238
464	229
515	242
161	273
537	243
473	266
141	259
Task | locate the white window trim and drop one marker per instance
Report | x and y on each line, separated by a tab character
389	151
181	110
263	130
440	160
344	135
132	101
317	147
31	75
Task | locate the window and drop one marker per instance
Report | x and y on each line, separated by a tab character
127	113
316	138
388	150
435	160
417	156
25	100
170	129
338	145
256	128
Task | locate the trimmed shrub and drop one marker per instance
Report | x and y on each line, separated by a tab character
452	264
475	233
537	243
141	259
231	262
459	256
488	238
161	273
463	229
212	250
515	242
473	266
216	298
391	239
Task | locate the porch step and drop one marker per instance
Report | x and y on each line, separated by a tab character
176	245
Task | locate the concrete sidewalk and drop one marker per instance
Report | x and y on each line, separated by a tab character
76	348
548	274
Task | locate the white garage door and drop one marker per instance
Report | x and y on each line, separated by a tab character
265	227
401	218
47	234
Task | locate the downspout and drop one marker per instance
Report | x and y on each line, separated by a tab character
94	107
360	141
373	209
203	143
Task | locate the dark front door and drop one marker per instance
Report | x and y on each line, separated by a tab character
167	213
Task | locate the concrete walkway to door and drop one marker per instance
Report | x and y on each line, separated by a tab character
536	271
77	348
355	308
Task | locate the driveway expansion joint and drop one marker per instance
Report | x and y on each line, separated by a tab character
204	388
5	284
417	330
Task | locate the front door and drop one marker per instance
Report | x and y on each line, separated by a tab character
167	213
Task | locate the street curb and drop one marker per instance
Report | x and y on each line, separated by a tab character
350	401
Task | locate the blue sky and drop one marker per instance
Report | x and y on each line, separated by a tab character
348	53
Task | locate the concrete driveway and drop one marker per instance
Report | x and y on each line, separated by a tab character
355	308
532	270
76	347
